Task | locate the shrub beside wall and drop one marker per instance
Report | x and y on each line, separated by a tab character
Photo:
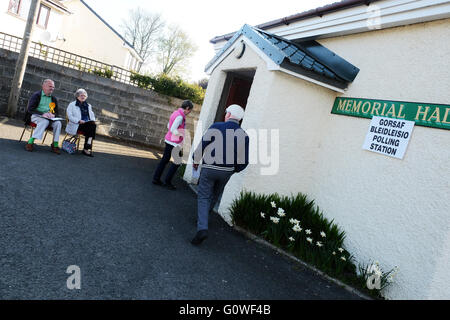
174	87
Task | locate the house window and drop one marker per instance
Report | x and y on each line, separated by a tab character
19	7
14	6
22	8
43	15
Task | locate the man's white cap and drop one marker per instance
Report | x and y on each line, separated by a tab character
236	111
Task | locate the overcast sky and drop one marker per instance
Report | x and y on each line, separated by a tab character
202	20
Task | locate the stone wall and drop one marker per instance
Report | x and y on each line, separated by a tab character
123	111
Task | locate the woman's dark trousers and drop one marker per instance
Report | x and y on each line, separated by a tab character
162	164
88	129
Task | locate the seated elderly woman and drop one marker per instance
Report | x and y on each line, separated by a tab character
81	117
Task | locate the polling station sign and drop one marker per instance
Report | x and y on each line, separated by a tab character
388	136
423	114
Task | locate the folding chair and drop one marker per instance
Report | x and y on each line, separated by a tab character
33	125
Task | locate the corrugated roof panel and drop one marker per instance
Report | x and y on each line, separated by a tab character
282	45
329	74
303	58
342	68
275	41
307	63
317	67
289	51
297	57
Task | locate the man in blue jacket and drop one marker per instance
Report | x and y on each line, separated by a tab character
225	150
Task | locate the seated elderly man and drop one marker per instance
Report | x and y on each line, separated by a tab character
44	106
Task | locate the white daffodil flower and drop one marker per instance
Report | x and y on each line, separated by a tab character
281	212
294	221
273	204
297	228
309	240
370	269
343	258
374	269
334	253
323	234
275	220
308	231
319	244
263	215
341	250
291	239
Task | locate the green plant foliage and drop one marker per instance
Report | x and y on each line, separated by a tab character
181	170
174	87
295	224
106	73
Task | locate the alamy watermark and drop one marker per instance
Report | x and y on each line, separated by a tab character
374	20
264	148
74	280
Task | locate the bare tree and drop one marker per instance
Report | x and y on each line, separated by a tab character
175	50
142	30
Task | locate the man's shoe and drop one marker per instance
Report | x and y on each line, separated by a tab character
29	147
157	182
199	237
170	186
55	149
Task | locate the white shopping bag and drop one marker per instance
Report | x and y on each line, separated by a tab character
196	175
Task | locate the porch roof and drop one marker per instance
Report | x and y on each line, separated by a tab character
308	58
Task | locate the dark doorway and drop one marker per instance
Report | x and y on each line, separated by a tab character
236	91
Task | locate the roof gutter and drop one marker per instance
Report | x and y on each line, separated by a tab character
112	29
318	12
58	5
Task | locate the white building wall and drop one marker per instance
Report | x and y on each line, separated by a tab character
394	211
402	205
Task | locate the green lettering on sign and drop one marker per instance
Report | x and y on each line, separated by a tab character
423	114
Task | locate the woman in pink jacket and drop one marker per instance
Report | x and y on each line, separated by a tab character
173	139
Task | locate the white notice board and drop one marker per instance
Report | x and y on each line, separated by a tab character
388	136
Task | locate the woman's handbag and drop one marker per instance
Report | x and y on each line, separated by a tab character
69	145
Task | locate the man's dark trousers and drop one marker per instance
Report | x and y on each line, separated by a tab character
210	187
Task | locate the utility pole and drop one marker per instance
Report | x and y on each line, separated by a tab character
22	60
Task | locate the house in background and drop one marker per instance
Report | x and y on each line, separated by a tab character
313	81
88	34
71	26
14	14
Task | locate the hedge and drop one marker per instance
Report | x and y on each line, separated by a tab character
174	87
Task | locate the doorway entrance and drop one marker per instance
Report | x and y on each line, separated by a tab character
235	91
